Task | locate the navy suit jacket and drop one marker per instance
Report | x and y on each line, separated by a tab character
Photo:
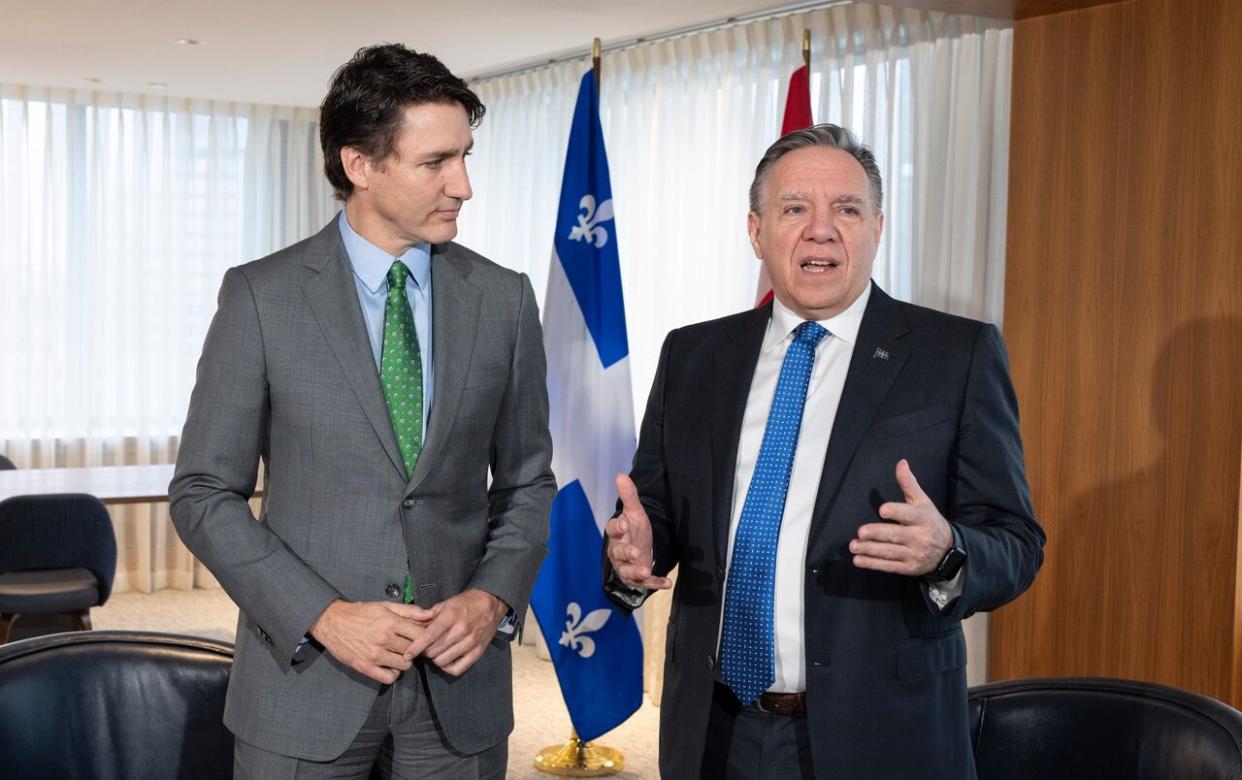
886	682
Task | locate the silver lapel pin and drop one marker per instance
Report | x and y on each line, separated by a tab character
880	353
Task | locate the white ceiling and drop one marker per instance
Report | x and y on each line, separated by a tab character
283	51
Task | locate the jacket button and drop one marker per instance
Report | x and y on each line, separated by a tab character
711	662
408	503
393	591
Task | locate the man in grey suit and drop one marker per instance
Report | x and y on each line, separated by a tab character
379	372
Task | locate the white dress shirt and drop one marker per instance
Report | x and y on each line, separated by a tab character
823	394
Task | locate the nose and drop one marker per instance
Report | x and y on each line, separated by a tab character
457	182
821	228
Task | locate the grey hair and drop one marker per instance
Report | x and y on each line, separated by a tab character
825	135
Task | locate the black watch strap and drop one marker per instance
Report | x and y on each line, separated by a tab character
952	561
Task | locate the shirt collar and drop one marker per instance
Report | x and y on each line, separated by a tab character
843	326
371	264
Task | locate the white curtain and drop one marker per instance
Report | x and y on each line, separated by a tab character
118	217
685	122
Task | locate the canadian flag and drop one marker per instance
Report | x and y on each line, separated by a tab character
797	117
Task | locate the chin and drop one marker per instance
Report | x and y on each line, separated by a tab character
442	234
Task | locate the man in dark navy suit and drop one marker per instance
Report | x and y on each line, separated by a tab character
839	477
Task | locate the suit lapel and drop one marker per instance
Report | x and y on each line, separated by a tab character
334	300
455	306
878	357
732	372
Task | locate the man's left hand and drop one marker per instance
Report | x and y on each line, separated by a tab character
460	632
914	542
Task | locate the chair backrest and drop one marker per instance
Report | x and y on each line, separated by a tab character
115	704
6	464
62	531
1085	728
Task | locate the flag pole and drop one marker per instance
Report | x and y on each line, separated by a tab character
578	757
597	51
806	49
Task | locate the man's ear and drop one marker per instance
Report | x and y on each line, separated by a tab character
752	228
357	167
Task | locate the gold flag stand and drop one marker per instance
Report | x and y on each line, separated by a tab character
577	757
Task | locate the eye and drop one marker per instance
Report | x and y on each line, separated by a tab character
434	165
851	211
794	209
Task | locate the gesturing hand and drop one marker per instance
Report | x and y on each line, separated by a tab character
630	548
460	631
370	636
914	543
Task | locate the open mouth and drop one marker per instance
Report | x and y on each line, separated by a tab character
819	265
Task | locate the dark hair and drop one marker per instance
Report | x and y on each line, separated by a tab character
366	102
825	135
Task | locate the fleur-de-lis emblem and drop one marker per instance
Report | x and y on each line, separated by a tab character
588	228
577	625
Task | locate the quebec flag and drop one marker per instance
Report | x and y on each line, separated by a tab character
595	647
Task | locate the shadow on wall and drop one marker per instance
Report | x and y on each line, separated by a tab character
1125	549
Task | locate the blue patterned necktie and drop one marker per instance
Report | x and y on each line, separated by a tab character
747	663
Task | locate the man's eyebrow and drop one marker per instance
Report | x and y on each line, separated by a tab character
444	154
852	200
793	196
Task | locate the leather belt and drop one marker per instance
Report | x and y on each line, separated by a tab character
793	704
788	704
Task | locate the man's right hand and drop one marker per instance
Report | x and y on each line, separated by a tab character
630	549
371	636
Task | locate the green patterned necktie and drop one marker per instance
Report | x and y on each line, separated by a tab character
401	372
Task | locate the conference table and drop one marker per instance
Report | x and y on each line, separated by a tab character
110	484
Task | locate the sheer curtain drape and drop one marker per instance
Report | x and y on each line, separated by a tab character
118	217
685	122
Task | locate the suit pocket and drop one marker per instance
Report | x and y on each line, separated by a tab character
932	654
910	422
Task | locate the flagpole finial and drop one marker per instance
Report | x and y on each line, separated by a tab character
597	51
806	47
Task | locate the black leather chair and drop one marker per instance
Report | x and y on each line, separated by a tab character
58	556
1100	729
114	704
6	464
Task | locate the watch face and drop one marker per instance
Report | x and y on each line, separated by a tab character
951	564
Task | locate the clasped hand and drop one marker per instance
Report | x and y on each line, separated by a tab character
381	639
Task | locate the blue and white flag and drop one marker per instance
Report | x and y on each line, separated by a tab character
595	647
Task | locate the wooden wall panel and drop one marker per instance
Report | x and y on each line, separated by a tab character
1123	315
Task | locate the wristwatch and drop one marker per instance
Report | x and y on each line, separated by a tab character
952	561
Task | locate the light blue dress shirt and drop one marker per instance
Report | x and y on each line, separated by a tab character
370	266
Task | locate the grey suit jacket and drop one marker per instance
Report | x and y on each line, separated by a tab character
287	376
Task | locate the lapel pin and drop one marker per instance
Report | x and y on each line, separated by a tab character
882	354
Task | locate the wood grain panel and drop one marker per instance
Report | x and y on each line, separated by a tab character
1124	322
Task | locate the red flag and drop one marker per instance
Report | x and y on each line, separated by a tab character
797	117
